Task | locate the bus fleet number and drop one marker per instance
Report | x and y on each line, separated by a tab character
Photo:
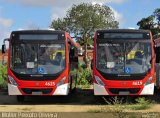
50	84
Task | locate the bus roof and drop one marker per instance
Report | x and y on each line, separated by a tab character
125	30
37	31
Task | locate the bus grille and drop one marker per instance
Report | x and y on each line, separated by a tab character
130	90
44	91
126	78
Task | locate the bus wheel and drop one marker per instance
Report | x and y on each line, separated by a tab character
20	98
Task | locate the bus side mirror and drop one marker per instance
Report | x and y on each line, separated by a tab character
73	56
3	48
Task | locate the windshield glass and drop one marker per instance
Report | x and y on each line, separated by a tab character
29	58
122	57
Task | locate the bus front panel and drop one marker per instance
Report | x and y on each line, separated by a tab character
124	64
37	64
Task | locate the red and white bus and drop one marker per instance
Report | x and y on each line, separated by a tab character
124	62
39	63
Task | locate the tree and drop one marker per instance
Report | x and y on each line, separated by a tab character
59	24
84	19
152	22
146	23
157	16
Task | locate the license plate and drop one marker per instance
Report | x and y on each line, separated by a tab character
124	93
36	93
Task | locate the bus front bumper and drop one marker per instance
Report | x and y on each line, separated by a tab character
60	90
103	90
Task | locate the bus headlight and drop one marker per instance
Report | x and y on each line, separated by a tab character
12	81
61	81
99	81
148	81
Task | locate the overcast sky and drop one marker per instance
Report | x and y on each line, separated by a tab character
33	14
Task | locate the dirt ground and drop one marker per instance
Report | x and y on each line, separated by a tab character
81	101
81	104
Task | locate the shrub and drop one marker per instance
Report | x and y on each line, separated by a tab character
117	108
84	76
142	104
3	76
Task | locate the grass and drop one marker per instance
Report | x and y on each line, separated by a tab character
119	108
138	107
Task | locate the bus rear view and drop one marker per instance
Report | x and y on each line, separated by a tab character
124	62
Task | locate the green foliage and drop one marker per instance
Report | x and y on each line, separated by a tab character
146	23
86	18
151	22
142	100
59	24
3	76
89	42
157	15
83	20
84	76
118	109
142	104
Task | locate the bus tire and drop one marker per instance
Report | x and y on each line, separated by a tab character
20	98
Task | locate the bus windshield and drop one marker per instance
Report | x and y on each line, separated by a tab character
38	58
123	57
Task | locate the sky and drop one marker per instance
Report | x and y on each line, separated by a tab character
38	14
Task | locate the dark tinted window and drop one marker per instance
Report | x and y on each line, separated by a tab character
121	35
38	36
